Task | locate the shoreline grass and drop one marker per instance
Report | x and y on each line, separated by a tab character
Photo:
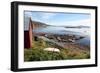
36	53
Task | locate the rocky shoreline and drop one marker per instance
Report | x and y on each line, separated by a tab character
69	41
64	38
61	38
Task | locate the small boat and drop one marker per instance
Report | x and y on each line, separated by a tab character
52	49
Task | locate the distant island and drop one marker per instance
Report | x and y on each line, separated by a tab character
77	26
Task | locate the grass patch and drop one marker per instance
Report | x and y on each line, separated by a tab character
36	53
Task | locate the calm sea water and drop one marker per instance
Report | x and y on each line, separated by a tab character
64	31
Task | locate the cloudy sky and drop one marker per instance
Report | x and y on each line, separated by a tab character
60	19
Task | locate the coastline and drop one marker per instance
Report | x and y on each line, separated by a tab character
68	41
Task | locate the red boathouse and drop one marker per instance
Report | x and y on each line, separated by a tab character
28	34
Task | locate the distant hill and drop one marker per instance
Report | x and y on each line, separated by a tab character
37	24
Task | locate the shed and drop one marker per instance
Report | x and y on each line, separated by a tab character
28	34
